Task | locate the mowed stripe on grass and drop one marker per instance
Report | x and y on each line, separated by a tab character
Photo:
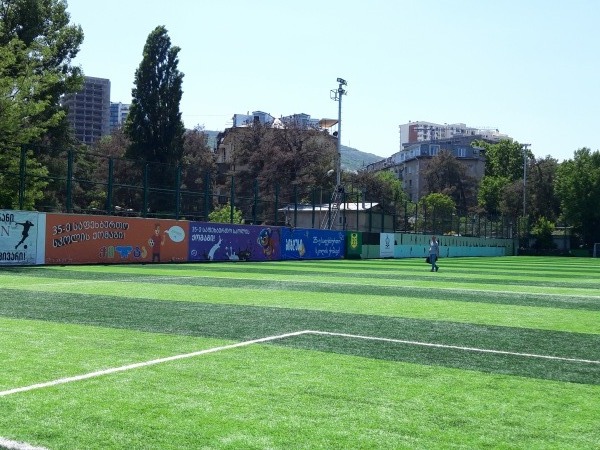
311	390
237	322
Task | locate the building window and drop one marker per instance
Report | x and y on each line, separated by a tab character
461	152
434	149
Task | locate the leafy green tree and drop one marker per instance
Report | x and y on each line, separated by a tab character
383	187
541	196
35	182
223	215
37	45
292	159
511	200
491	192
154	123
578	188
197	160
503	172
542	232
447	175
127	174
437	212
504	159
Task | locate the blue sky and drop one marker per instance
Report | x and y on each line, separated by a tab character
529	68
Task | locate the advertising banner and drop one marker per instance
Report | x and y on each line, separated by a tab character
77	239
228	242
386	245
303	243
353	244
19	237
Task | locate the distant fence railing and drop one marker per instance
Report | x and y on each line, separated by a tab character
89	183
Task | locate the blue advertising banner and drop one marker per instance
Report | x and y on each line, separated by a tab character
312	244
225	242
21	237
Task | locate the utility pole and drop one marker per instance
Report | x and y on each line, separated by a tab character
337	96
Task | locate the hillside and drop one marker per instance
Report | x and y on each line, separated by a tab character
352	158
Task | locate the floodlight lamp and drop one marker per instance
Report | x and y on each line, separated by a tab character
342	81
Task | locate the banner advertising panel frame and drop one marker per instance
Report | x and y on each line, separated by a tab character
228	242
79	239
21	238
309	243
387	242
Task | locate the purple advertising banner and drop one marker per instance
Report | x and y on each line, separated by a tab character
312	244
228	242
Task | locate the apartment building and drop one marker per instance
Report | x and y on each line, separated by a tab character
410	163
118	114
88	111
422	131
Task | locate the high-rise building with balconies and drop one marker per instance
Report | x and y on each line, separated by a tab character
118	114
88	110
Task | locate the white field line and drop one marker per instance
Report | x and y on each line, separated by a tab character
145	364
14	445
273	338
454	347
311	282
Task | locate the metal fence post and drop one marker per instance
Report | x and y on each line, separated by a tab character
313	207
109	188
206	194
22	168
255	206
276	203
70	181
178	192
357	211
232	199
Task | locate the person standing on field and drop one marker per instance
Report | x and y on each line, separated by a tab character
434	253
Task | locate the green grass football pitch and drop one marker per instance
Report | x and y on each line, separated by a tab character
376	354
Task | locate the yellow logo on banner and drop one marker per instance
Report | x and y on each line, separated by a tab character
353	240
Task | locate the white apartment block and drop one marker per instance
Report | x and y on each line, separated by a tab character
118	114
419	131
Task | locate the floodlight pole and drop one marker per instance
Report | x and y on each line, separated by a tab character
337	96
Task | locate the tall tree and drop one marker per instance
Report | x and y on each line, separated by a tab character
37	45
40	44
198	160
578	188
503	170
154	123
542	198
292	158
491	193
379	187
504	159
437	212
447	175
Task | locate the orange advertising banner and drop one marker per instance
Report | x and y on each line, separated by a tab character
78	239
